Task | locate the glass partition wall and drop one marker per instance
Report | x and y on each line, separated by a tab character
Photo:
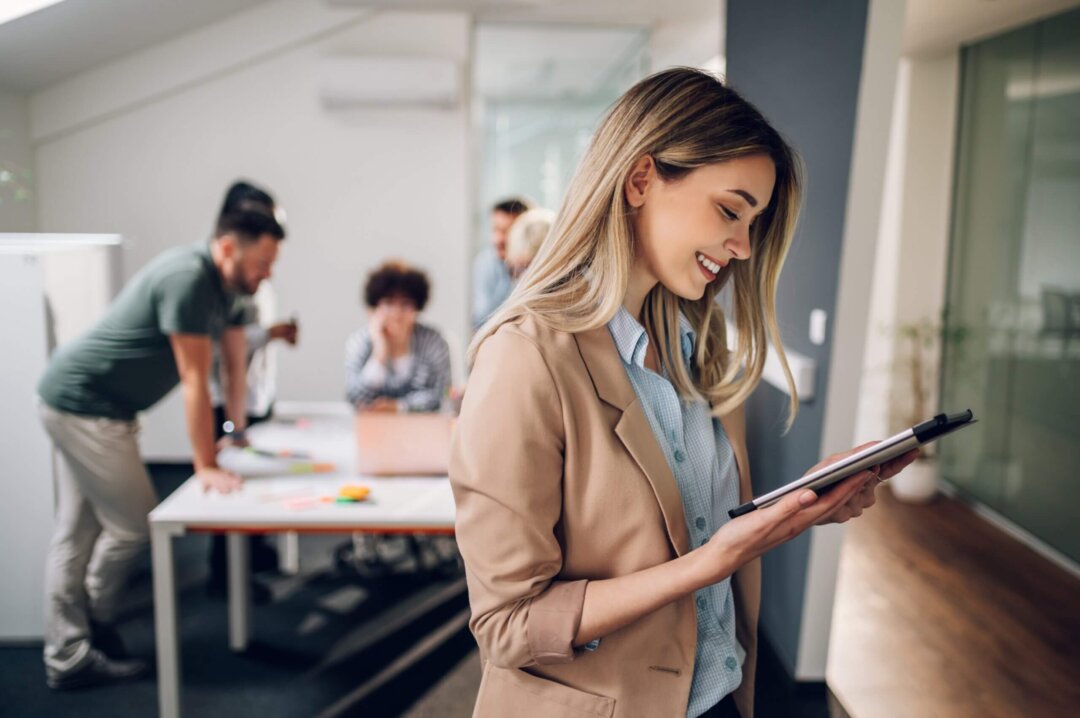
541	90
1014	281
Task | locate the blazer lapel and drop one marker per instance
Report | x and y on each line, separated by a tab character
613	387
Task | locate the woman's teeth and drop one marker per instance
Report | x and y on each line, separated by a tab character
708	263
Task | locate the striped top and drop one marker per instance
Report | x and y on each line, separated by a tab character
418	380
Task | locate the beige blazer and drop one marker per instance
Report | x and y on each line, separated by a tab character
558	480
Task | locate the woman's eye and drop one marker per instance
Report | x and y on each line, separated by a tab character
729	214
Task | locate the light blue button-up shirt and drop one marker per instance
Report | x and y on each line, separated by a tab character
701	458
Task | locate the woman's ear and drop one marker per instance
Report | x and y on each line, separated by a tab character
637	181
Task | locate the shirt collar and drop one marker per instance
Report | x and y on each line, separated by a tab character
207	257
632	340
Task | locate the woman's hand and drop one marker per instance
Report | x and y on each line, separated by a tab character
382	404
749	536
380	344
865	498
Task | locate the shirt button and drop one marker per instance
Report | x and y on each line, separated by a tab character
700	523
680	455
731	663
701	602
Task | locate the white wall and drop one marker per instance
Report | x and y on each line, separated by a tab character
851	321
151	161
910	272
49	287
694	38
26	491
876	381
927	198
17	159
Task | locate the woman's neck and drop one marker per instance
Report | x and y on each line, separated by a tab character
640	284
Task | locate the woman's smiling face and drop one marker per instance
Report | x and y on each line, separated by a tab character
687	229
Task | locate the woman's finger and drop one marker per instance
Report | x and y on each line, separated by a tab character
894	466
796	522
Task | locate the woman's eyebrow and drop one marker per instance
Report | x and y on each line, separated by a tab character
750	199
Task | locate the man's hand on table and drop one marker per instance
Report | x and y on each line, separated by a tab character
219	480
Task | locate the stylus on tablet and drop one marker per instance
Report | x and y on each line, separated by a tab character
879	453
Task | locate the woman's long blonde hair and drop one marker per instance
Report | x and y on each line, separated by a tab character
684	119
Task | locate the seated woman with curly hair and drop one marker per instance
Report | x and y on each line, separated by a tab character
396	363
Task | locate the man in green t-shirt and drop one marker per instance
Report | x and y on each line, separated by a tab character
156	334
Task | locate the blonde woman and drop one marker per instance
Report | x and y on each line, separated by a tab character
526	235
602	437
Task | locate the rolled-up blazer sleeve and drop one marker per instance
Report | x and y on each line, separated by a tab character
506	470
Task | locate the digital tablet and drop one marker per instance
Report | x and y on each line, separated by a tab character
879	453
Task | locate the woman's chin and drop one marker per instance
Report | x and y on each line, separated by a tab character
690	291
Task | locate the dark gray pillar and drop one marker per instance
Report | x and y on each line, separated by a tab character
800	63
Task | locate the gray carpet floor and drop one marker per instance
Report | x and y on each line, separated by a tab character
332	643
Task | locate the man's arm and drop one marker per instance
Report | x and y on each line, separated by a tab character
234	358
193	358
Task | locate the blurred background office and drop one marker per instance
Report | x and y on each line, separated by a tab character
937	267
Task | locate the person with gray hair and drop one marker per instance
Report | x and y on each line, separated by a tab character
526	235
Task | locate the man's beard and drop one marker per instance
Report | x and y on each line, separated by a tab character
243	287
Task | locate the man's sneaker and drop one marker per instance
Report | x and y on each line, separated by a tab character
107	639
97	671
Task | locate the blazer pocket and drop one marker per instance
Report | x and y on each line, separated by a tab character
505	691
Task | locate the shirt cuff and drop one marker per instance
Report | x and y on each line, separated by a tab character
257	337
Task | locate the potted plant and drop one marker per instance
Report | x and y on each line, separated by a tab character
918	370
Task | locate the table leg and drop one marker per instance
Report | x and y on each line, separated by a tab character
168	659
239	548
289	552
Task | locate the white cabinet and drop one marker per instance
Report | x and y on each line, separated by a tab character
52	288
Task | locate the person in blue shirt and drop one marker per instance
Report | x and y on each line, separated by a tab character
491	276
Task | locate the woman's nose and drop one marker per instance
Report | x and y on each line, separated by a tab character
739	245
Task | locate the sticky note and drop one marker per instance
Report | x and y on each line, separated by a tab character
354	492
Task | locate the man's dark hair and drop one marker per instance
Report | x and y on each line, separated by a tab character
246	192
397	279
248	222
512	206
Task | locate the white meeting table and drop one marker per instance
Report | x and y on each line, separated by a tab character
277	499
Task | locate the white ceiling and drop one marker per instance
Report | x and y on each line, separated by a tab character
39	49
624	12
74	35
549	62
934	26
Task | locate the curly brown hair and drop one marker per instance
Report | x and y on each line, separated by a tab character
396	278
